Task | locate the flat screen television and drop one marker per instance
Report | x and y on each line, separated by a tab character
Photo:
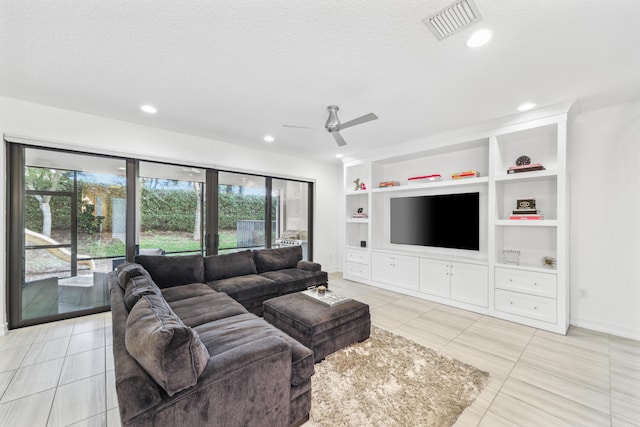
443	221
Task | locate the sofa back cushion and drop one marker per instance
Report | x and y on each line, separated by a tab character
277	259
170	352
169	271
218	267
128	270
137	287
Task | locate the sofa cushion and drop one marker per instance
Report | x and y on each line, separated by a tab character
128	270
137	287
293	279
277	259
170	352
177	293
225	334
206	308
169	271
218	267
244	288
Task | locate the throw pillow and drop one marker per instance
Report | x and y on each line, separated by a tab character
170	352
168	271
277	259
217	267
128	270
137	287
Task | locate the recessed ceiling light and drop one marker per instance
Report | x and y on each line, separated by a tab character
150	109
339	156
526	106
479	38
122	168
269	138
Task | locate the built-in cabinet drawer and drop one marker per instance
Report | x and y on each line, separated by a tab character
355	270
530	282
532	306
357	256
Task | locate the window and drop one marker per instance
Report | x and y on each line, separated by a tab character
170	209
290	207
241	212
73	218
73	226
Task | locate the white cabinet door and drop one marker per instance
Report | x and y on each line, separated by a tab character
434	277
470	283
406	273
382	268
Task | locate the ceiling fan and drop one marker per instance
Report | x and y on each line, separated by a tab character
333	125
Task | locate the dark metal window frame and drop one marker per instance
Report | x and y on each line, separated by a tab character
15	243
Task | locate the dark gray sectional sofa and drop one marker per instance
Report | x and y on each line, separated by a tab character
187	350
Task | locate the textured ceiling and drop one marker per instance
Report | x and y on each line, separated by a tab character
235	70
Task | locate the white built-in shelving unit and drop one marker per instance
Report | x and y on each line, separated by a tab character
527	293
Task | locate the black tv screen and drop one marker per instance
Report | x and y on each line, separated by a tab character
443	221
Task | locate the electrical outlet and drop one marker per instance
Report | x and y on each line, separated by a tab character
583	293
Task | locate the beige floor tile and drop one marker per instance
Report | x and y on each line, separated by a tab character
505	325
5	380
587	349
112	397
508	344
575	391
108	335
492	420
518	412
46	350
31	411
83	365
55	330
419	331
570	411
497	366
452	317
109	358
86	341
569	366
18	338
33	379
625	409
88	323
113	418
11	358
78	401
99	420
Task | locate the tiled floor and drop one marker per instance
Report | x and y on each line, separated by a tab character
62	373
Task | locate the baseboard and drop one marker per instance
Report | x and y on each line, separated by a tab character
607	328
4	329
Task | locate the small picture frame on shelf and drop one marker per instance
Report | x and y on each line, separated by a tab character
510	256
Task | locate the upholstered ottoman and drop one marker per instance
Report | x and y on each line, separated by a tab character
319	327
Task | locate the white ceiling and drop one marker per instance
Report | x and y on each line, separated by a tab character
237	70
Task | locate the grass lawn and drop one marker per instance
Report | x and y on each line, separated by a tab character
168	241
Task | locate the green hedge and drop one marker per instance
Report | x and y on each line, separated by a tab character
161	210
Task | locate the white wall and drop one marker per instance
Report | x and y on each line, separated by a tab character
604	160
85	132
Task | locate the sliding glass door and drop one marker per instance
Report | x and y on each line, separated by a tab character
73	218
241	209
170	207
67	224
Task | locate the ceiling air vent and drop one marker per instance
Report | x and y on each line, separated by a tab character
453	18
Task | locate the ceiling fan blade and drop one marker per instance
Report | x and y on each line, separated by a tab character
339	139
297	127
359	120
